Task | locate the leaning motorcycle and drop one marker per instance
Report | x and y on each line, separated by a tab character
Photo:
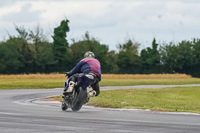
77	93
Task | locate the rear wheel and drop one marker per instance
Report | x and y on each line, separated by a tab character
79	99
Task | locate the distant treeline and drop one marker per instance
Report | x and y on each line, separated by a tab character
31	52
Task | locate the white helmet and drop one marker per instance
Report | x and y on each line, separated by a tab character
89	54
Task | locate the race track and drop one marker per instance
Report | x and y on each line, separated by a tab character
22	111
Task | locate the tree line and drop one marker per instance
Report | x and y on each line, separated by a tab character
31	52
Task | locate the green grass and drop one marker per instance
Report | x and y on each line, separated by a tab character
177	99
180	99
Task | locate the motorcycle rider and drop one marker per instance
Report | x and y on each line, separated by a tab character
88	65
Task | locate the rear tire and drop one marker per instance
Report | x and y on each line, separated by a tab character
79	99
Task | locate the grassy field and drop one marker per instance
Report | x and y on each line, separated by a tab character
57	80
31	81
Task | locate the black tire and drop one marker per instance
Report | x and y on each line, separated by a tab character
64	106
79	99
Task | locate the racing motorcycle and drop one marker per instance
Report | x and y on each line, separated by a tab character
78	93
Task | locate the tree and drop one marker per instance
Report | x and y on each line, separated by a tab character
27	55
36	36
128	58
9	62
22	32
169	57
111	62
44	60
60	45
2	57
178	58
150	58
189	62
17	56
80	47
196	52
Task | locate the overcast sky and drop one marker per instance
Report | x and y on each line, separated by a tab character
111	21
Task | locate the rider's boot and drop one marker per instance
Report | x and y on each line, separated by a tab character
92	93
70	88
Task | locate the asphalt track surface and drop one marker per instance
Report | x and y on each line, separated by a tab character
23	111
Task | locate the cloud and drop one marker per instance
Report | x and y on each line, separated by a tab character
6	3
110	20
23	15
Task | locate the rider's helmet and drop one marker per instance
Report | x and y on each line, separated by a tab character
89	54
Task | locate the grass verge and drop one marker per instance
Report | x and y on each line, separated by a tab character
178	99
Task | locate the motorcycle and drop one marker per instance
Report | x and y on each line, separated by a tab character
78	93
